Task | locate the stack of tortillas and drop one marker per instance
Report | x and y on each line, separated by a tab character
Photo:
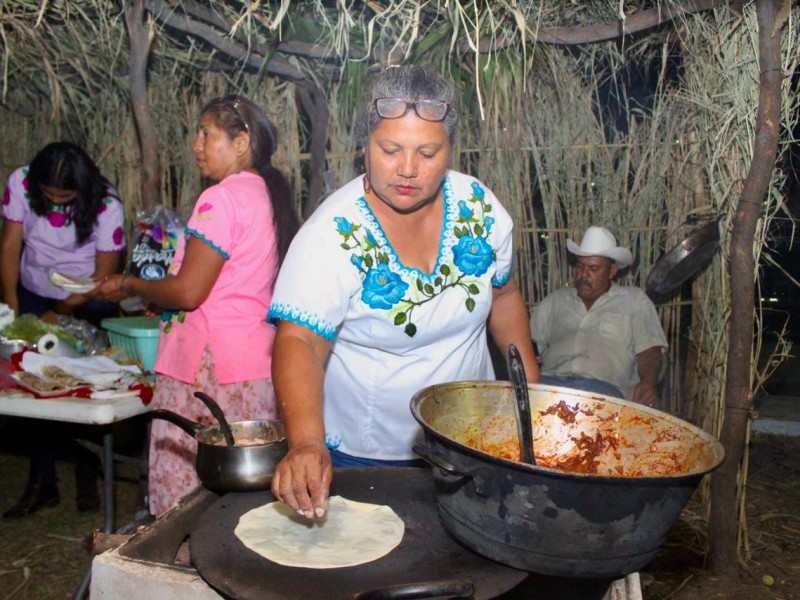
351	533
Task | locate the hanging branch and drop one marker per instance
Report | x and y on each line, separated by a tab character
588	34
723	524
140	32
181	18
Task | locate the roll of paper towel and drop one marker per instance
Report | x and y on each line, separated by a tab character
52	345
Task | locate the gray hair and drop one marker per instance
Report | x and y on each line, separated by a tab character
410	83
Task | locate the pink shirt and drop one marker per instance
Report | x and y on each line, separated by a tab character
234	217
50	240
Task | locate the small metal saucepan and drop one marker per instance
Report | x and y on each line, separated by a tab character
247	466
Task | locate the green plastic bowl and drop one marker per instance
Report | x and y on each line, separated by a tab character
138	336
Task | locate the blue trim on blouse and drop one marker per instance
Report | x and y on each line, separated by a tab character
286	312
200	236
500	280
447	221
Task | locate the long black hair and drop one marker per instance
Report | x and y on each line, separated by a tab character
235	114
66	166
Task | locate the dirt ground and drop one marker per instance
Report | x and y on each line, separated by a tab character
773	524
44	558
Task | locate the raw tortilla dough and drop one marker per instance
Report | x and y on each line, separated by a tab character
78	285
351	533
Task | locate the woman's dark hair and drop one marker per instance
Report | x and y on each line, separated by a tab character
65	166
235	114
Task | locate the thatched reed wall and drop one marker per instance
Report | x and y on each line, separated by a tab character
556	134
560	133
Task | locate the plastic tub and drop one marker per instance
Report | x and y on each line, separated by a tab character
138	336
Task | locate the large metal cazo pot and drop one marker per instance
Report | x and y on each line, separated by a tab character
247	466
637	468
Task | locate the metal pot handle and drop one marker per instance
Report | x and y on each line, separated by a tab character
427	455
481	478
424	589
188	426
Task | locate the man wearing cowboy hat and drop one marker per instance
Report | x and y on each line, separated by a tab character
600	336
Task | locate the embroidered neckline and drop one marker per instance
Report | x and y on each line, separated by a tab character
464	256
446	235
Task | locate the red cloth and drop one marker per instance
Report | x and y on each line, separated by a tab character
145	391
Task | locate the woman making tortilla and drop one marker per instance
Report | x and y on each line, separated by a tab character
388	288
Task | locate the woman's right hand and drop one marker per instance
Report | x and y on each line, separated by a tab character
303	478
110	288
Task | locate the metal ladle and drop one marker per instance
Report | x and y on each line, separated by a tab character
522	405
218	415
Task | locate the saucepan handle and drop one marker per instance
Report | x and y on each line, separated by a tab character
482	478
188	426
425	589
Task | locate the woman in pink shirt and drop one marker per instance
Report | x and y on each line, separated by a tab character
214	335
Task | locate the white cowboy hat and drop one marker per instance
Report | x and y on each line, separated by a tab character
599	241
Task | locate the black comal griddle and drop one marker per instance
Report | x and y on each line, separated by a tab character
427	563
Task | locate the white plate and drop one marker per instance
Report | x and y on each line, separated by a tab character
76	285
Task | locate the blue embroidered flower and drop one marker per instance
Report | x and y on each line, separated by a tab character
357	260
464	212
477	190
343	225
488	221
382	288
371	239
472	255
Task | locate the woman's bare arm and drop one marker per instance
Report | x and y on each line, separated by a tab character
303	477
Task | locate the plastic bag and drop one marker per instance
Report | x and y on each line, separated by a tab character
154	244
91	340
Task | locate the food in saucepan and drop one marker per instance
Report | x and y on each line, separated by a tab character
244	437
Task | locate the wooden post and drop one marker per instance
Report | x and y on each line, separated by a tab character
723	524
140	33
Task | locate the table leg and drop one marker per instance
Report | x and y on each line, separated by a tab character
83	588
108	480
108	505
